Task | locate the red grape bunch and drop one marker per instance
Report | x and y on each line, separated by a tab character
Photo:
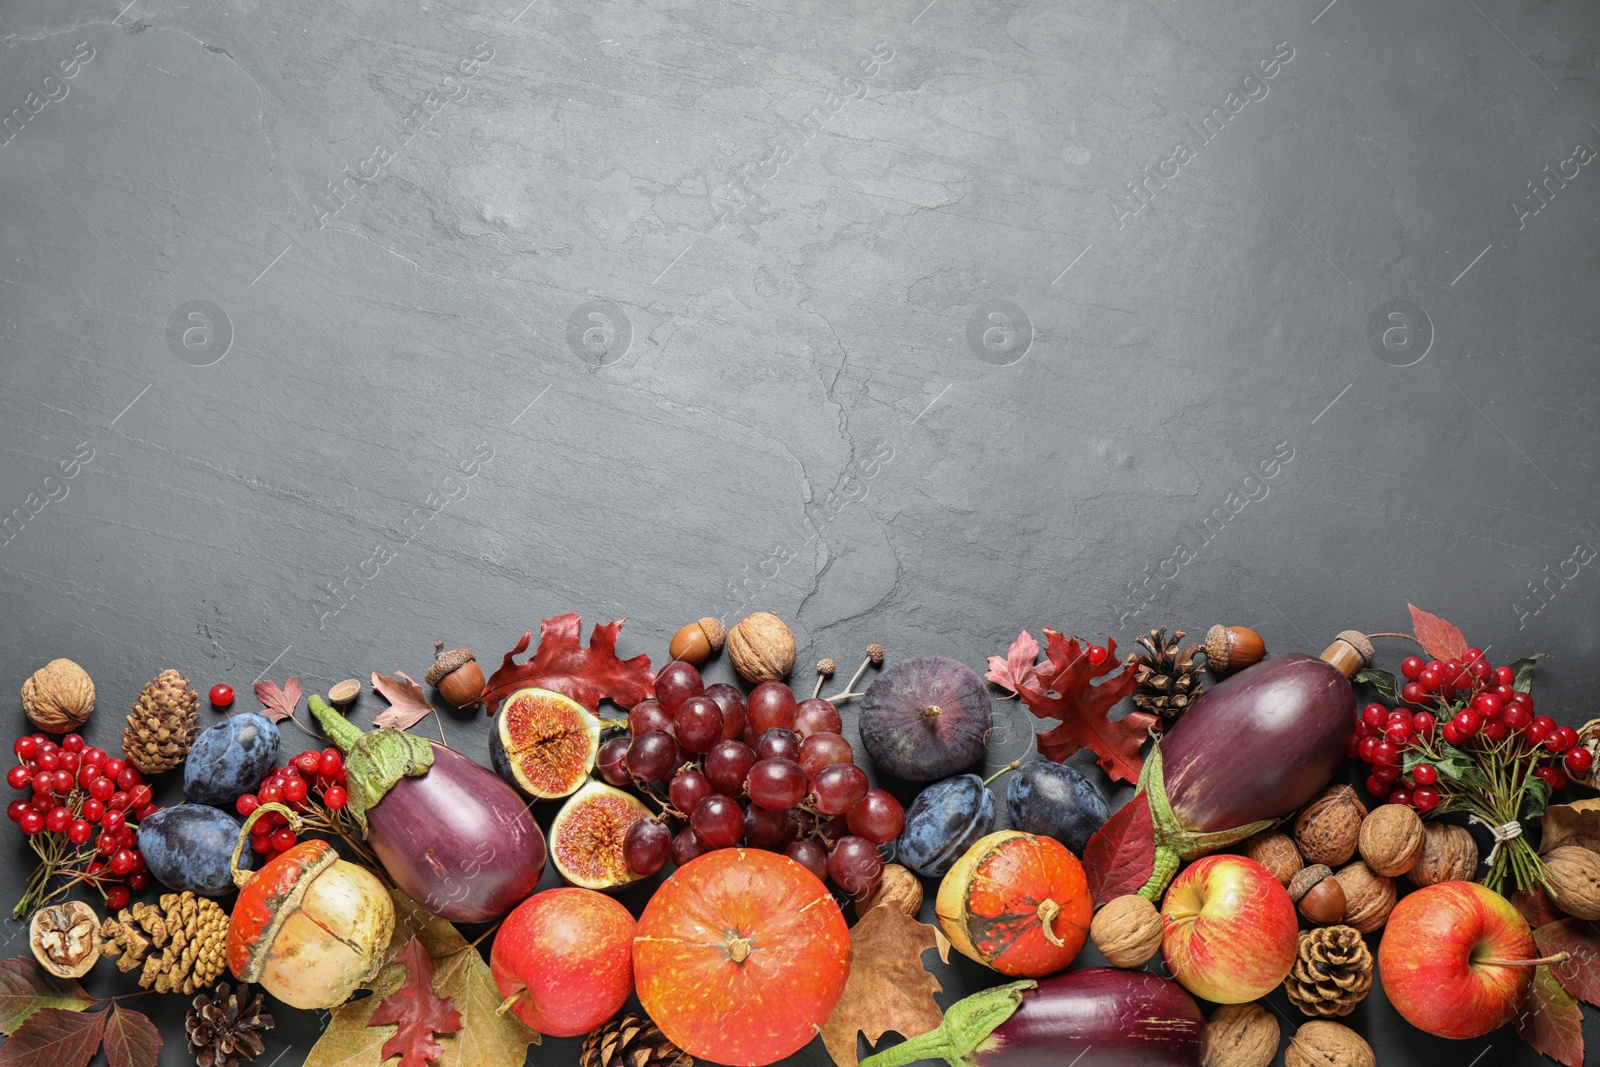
71	791
309	779
769	772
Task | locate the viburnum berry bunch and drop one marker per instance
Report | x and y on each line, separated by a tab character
80	816
311	784
1464	737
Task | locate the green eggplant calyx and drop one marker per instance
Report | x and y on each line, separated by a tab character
374	761
1174	841
967	1025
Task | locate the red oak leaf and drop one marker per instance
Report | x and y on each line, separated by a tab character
1440	639
55	1037
1017	669
417	1009
1064	691
587	675
407	702
1551	1021
279	703
1579	975
1121	855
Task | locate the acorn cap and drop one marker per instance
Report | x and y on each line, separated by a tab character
1360	642
447	662
716	632
1217	647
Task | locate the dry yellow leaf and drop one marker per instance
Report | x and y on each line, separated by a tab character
888	988
1577	823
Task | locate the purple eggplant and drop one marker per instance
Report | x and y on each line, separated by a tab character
452	834
1100	1017
1260	744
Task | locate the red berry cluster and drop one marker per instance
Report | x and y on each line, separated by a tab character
309	776
72	790
768	771
1469	704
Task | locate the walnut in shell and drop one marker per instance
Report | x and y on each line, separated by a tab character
1329	827
1449	854
761	647
898	887
1575	880
65	938
1277	853
1127	931
1391	839
1368	897
1241	1035
58	697
1320	1043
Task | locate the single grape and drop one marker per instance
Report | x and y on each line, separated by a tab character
831	831
810	855
817	716
651	756
777	784
647	847
779	743
731	701
727	764
648	715
689	787
688	846
718	821
697	724
768	829
612	761
821	750
677	682
878	817
770	704
838	787
855	865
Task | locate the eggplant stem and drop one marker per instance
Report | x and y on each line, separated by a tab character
1166	865
967	1025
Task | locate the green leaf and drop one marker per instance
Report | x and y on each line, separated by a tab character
1535	797
54	1037
26	987
1453	765
1383	681
377	761
131	1039
1523	668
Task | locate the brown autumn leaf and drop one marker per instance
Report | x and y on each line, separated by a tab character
55	1037
131	1039
1577	823
407	702
888	988
278	703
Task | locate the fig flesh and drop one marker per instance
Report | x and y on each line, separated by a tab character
544	743
926	719
587	836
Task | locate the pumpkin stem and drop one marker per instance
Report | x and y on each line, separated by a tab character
966	1028
241	877
739	949
1049	911
932	711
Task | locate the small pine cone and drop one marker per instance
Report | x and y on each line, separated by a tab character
190	932
223	1028
631	1041
163	724
1332	972
1168	677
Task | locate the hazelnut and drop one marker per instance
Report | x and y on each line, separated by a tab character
65	938
1240	1035
58	697
1391	840
1329	827
1320	1043
344	692
456	675
1274	851
1368	897
1319	894
1575	880
761	647
1233	648
1449	854
695	642
898	887
1127	931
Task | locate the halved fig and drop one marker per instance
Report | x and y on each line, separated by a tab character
588	833
544	743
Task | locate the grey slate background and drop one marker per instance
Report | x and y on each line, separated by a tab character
707	393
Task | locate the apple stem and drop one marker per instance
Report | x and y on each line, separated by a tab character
1559	957
509	1002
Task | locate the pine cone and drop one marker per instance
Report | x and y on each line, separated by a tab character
631	1041
1332	973
163	724
223	1029
190	931
1168	676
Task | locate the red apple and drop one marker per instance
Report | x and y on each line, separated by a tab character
567	954
1229	930
1454	959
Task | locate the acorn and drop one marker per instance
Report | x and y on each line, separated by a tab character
695	642
456	675
1233	648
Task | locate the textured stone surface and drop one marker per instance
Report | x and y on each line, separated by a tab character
608	328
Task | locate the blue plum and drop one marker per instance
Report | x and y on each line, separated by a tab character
1054	800
188	847
229	759
943	822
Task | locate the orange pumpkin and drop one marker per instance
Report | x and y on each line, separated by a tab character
1016	902
740	957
